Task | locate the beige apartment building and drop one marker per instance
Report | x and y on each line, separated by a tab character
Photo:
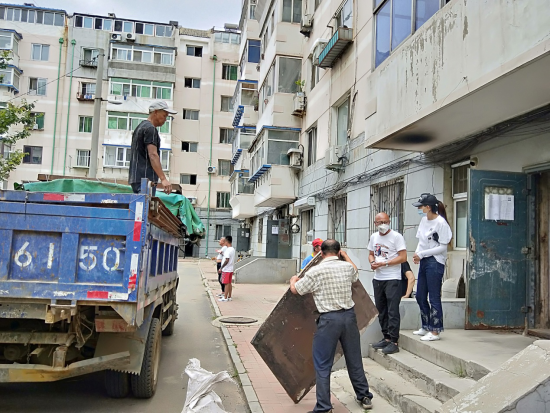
194	71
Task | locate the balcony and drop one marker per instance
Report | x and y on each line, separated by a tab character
465	70
275	186
88	63
242	138
242	195
244	100
85	97
336	46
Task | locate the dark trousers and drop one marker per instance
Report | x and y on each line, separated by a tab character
333	327
137	189
387	295
430	279
218	266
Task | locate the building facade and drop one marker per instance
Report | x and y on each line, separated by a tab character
55	65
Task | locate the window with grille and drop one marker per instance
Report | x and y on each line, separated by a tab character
388	197
83	158
222	200
460	203
338	217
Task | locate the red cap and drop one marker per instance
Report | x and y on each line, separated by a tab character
317	242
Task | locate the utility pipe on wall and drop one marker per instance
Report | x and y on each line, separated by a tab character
215	58
73	42
56	101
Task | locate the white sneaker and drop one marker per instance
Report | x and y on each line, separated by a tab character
430	337
420	332
224	299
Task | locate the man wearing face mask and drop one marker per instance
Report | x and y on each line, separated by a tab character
387	252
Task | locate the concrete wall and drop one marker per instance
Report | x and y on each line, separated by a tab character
266	271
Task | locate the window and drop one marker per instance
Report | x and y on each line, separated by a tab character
342	123
345	16
260	230
389	197
107	25
85	124
89	56
189	146
38	120
227	104
229	72
32	16
395	22
222	231
292	11
252	14
9	77
226	37
118	26
460	200
130	121
143	54
117	156
5	41
312	146
83	158
165	160
190	114
290	71
128	27
37	86
307	226
88	89
224	167
192	83
98	24
186	179
254	51
194	51
226	135
88	22
140	88
33	154
222	200
338	216
314	76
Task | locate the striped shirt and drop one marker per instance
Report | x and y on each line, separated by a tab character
330	282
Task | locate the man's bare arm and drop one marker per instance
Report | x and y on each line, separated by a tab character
293	282
157	167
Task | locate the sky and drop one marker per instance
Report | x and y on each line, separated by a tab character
194	14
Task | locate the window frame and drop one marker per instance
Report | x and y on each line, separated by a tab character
38	87
344	214
221	231
189	143
226	136
224	167
190	179
186	111
229	106
79	156
84	122
29	149
458	198
41	115
195	83
394	186
225	197
311	143
292	11
195	49
227	71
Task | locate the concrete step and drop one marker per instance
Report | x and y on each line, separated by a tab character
402	394
431	379
466	353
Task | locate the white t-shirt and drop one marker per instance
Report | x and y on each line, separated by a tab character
427	245
385	248
220	255
229	253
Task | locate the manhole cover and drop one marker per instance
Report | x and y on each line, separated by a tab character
237	320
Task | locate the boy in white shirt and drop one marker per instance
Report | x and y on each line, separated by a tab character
227	268
219	260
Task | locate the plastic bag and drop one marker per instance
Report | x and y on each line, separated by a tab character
200	396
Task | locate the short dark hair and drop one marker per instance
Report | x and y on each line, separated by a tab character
229	238
330	246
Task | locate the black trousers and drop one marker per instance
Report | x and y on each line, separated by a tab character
218	266
387	295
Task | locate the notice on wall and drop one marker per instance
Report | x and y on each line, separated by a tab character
499	207
275	230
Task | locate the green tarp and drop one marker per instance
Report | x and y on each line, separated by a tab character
179	205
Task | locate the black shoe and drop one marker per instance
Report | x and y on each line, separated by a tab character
391	348
366	403
328	411
380	345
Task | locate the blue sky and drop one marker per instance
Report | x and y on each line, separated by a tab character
195	14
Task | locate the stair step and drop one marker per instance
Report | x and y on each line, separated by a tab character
428	377
402	394
340	386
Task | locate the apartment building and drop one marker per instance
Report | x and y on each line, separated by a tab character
194	71
397	98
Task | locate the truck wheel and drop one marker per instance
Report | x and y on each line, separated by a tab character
144	385
117	384
169	330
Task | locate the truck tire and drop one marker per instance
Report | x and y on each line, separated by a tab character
144	385
117	384
169	330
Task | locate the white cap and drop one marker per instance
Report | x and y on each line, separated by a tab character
161	105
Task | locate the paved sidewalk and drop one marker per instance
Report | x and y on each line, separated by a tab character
262	389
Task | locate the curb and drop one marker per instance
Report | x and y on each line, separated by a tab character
248	389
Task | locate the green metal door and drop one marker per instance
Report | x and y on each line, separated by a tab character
497	262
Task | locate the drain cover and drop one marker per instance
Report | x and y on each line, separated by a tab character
237	320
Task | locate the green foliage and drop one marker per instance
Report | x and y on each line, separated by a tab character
301	84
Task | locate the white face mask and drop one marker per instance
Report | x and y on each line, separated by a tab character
383	228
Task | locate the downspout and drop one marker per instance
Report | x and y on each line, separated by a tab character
73	42
56	101
215	58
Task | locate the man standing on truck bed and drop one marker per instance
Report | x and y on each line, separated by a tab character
145	151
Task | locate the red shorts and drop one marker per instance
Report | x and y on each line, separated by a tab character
227	277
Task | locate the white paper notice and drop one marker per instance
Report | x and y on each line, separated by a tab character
275	230
499	207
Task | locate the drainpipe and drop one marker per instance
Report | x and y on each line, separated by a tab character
73	42
56	102
215	58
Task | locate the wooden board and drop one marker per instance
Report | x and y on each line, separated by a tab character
285	339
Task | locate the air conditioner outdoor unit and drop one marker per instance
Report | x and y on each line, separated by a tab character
130	37
192	200
306	25
116	36
333	158
299	104
211	169
295	156
35	126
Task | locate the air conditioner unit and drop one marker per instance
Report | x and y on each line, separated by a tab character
306	25
333	158
116	36
295	156
211	170
35	126
299	104
192	200
130	37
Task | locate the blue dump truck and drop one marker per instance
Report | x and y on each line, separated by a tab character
87	283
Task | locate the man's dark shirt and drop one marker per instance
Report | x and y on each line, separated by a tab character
140	164
404	280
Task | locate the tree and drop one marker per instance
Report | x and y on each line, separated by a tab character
16	123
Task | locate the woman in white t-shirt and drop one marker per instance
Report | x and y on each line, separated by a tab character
434	234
